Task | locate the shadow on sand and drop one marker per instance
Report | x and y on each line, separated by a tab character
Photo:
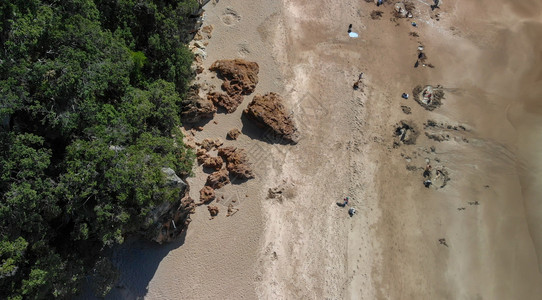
137	261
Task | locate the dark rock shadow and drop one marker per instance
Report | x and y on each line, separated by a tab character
201	123
137	261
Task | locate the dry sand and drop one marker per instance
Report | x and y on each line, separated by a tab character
487	57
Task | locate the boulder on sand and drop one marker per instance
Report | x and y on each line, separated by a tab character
240	76
236	162
213	162
218	179
229	103
269	112
206	195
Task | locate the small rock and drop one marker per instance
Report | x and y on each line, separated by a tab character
233	134
206	195
213	210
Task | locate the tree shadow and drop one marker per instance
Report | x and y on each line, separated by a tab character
137	261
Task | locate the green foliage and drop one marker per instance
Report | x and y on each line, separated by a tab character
92	90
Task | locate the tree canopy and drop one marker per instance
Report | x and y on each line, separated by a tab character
90	101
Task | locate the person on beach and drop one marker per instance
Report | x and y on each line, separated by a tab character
344	203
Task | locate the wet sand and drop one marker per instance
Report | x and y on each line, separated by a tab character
486	56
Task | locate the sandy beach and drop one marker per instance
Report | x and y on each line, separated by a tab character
476	236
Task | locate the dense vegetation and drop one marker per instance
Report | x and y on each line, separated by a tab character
90	93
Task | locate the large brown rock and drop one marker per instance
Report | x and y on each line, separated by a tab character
206	195
236	162
196	108
218	179
213	162
229	103
240	76
269	112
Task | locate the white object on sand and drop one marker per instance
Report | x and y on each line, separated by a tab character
353	34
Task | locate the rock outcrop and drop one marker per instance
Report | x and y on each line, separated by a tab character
240	76
229	103
218	179
206	195
269	112
236	162
167	220
196	108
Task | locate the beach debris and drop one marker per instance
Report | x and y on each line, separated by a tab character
428	97
436	4
352	211
407	110
414	24
461	208
379	2
406	133
443	242
236	162
268	112
231	210
357	85
213	211
404	96
353	34
206	195
414	34
218	179
400	10
233	134
377	14
195	107
229	103
474	203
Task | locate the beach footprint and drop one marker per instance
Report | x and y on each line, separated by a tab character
230	17
243	50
